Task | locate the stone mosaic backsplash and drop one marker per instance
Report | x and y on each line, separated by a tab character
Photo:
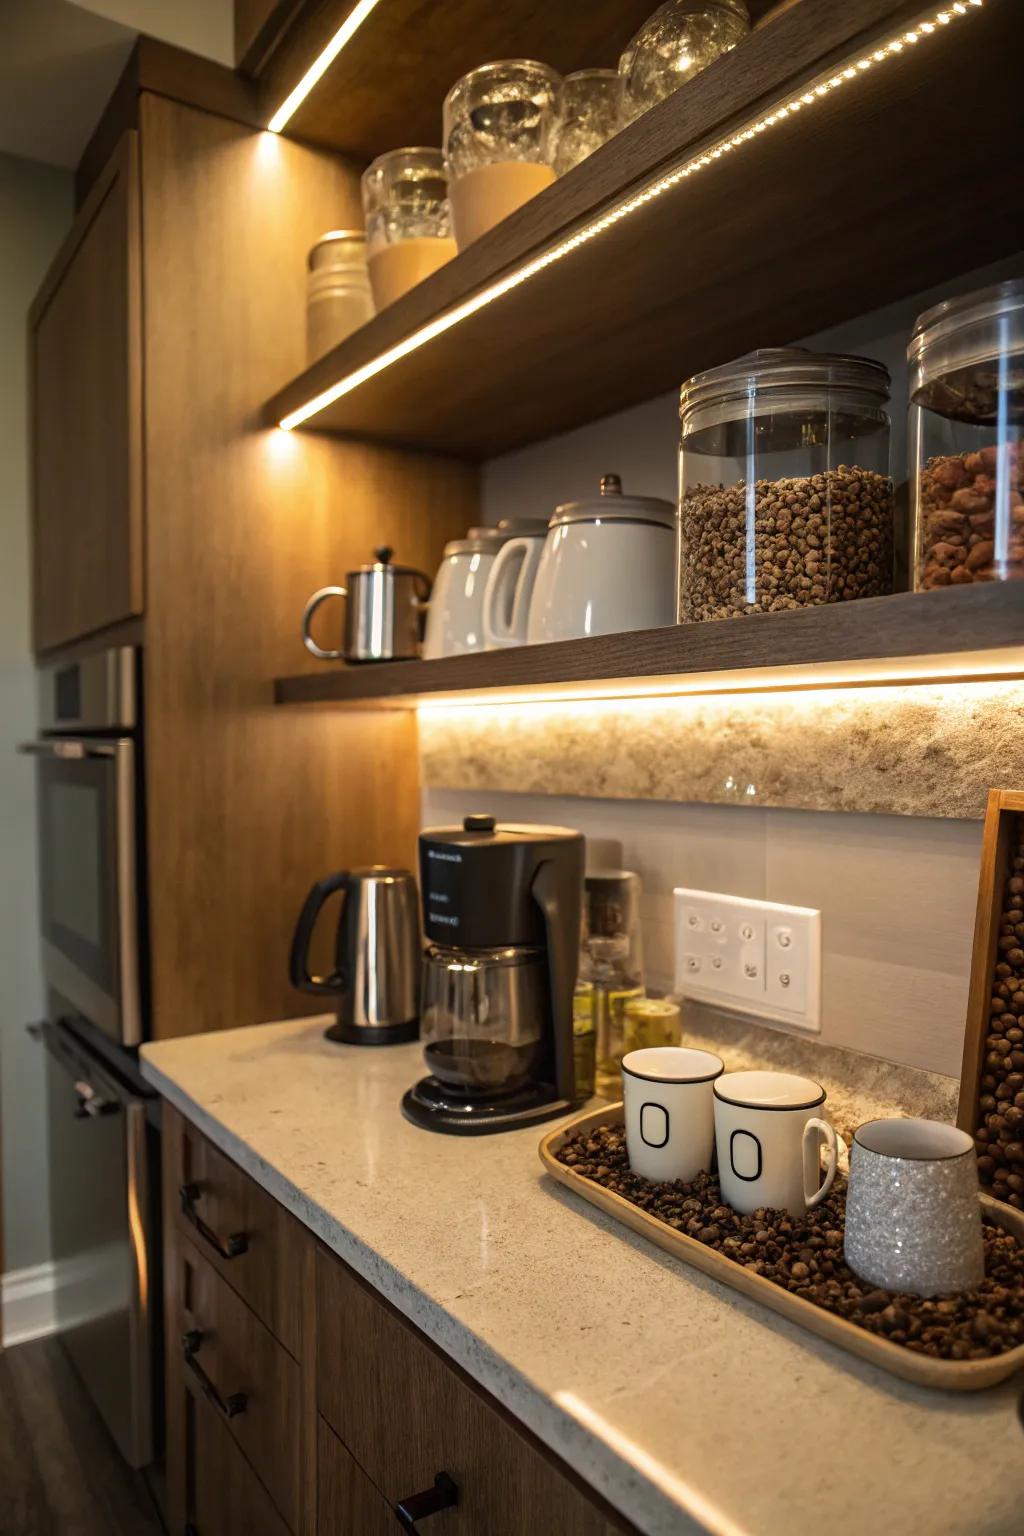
907	750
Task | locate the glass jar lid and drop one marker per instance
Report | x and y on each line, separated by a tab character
329	250
966	356
780	375
610	505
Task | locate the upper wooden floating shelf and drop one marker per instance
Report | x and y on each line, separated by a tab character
971	632
872	191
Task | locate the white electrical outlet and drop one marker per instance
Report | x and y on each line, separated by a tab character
756	956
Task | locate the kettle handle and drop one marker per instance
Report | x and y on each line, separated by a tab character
298	964
307	619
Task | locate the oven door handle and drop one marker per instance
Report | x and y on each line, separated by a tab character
74	750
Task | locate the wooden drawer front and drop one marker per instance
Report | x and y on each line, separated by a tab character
225	1498
406	1416
257	1382
347	1502
236	1214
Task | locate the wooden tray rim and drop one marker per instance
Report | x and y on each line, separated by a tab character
924	1370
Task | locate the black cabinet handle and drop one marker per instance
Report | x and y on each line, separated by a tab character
231	1247
228	1407
443	1495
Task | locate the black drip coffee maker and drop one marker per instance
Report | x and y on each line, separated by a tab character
501	913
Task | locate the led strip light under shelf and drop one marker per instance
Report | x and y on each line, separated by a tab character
799	101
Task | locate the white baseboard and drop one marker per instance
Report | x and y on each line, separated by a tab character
73	1290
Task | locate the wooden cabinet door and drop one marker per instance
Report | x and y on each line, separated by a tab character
85	351
224	1496
347	1502
406	1416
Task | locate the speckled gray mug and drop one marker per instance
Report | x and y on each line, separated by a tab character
913	1218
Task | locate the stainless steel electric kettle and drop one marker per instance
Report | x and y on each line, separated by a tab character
376	975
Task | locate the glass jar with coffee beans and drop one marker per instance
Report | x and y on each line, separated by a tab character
966	360
785	496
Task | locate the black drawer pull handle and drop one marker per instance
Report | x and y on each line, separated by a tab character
228	1407
231	1247
443	1495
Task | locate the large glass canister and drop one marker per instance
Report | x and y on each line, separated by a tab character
966	363
499	141
408	223
785	499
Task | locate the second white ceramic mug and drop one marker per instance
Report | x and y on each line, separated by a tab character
509	590
768	1137
669	1111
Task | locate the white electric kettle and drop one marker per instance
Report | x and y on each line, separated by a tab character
608	565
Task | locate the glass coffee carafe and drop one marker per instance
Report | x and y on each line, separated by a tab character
484	1018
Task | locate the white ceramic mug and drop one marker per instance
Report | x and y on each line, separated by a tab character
509	590
608	565
913	1217
669	1111
768	1139
455	617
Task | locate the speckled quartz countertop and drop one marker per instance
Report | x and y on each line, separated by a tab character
685	1405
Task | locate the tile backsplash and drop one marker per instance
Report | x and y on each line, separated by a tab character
897	897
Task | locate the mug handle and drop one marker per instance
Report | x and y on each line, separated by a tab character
307	618
814	1197
515	566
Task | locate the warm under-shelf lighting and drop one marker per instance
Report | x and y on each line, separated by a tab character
999	666
321	64
786	107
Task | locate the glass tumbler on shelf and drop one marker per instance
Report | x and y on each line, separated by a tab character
680	39
499	132
408	224
591	114
966	435
785	499
338	297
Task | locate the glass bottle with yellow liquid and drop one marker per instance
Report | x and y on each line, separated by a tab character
614	984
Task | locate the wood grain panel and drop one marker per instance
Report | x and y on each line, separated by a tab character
227	1497
387	86
271	1274
349	1504
985	620
787	234
406	1414
86	370
246	809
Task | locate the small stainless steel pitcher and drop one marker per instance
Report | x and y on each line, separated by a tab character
385	606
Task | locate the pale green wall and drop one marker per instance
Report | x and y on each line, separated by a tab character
35	212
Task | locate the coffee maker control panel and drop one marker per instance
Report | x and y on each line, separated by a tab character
477	881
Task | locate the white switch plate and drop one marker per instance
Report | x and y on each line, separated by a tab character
755	956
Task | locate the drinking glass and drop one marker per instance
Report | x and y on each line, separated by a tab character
591	114
408	224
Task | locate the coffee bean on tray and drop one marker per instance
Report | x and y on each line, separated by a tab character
785	544
803	1254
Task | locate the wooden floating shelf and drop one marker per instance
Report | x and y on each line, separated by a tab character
975	632
875	190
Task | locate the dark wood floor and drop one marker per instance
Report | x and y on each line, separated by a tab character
60	1474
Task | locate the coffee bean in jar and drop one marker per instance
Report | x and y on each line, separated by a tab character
966	373
786	499
783	544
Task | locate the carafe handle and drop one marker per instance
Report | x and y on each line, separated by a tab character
307	619
298	965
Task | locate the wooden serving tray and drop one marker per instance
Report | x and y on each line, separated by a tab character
954	1375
